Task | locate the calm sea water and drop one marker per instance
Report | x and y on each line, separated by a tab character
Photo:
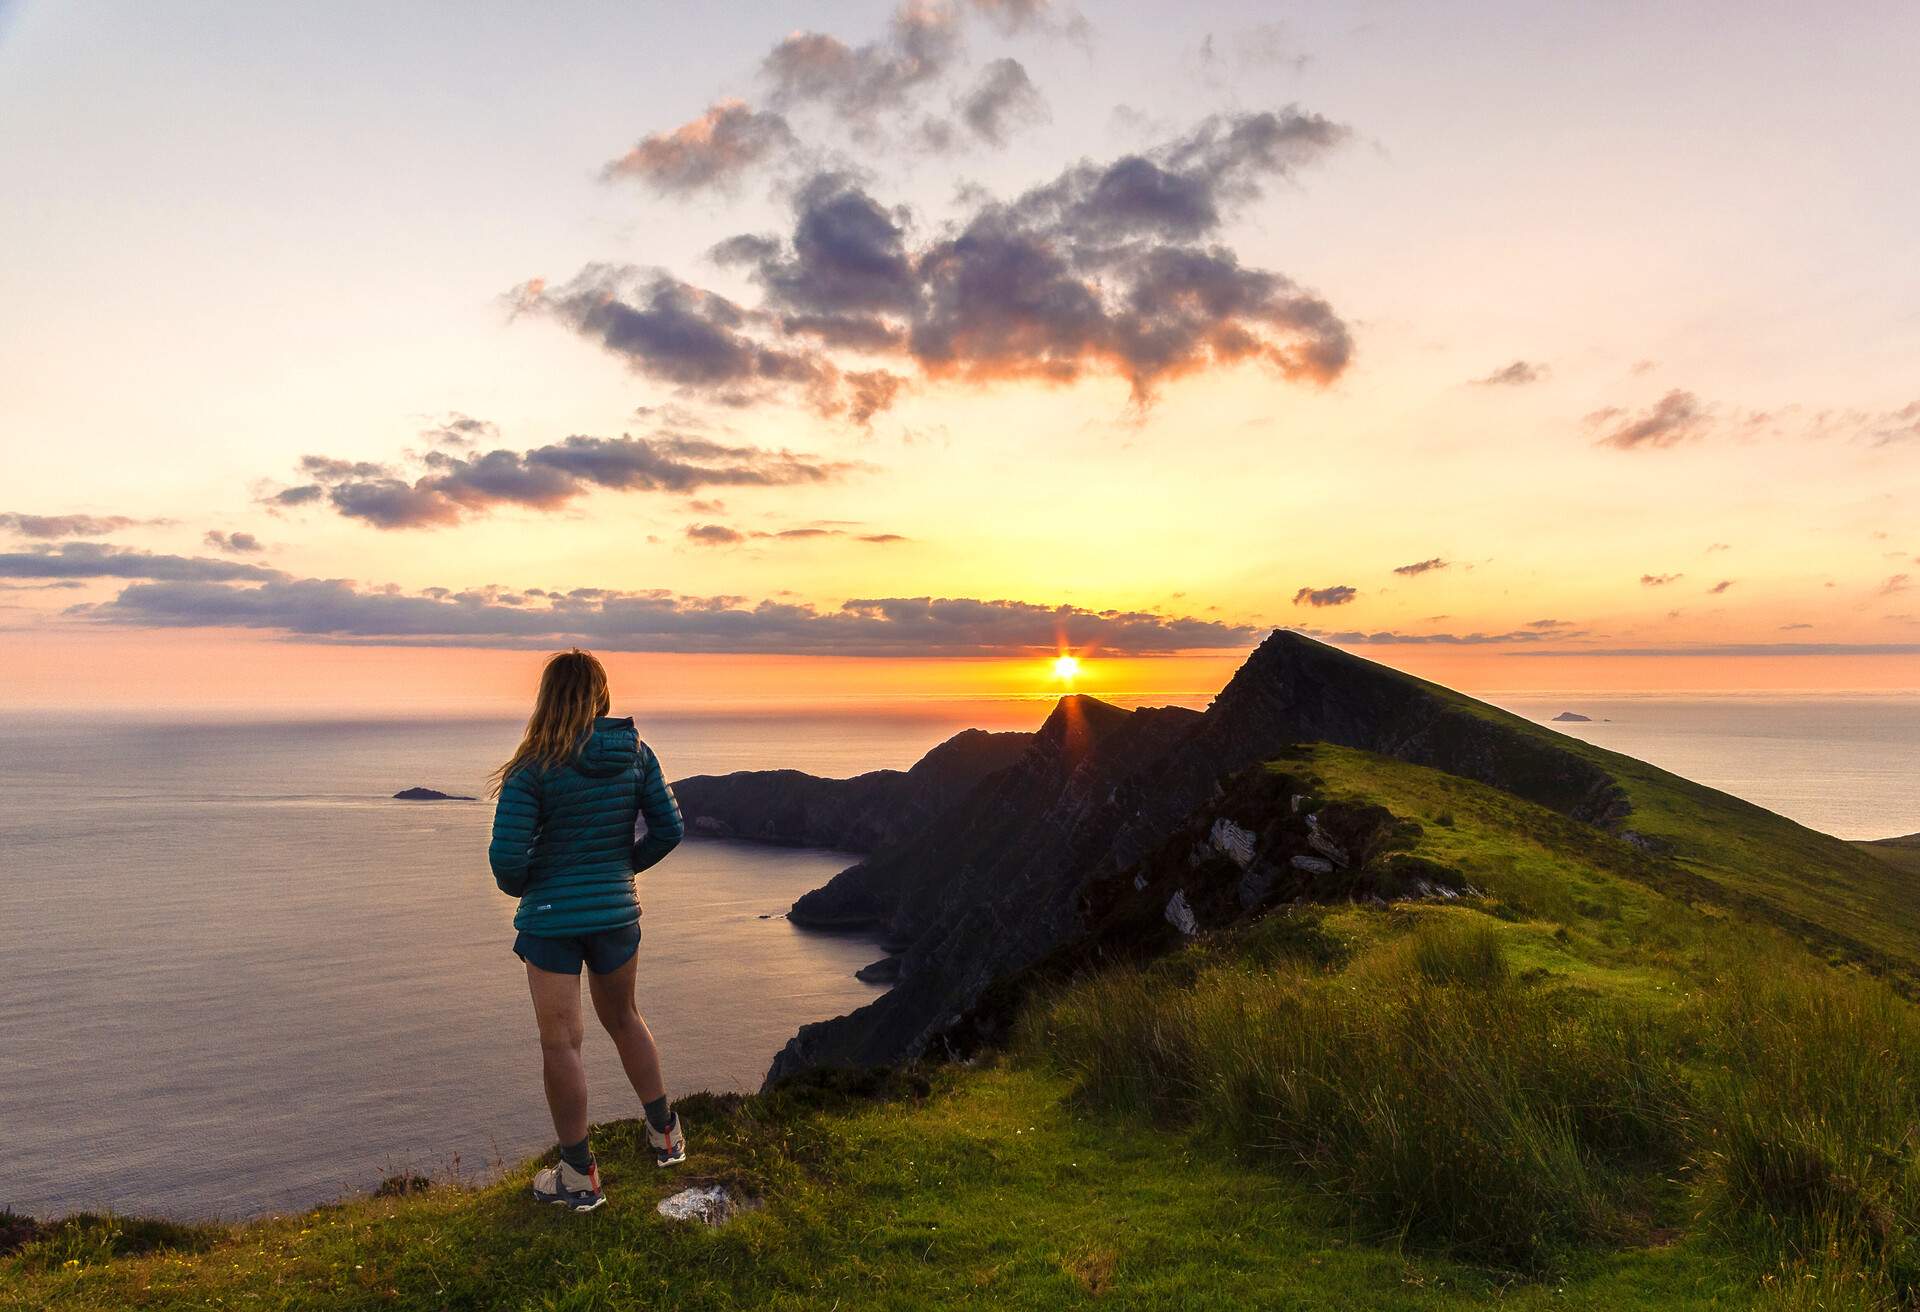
235	977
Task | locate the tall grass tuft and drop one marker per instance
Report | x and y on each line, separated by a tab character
1438	1098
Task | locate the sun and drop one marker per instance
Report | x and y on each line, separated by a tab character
1066	667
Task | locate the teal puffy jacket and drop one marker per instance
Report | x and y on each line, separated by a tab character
567	841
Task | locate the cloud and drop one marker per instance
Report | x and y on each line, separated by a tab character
1659	580
1335	596
1110	269
1676	417
1012	17
336	610
455	487
720	535
1518	374
703	343
458	430
100	560
1721	586
1787	628
860	82
714	535
1002	99
238	544
1394	638
68	526
706	152
1420	566
1897	583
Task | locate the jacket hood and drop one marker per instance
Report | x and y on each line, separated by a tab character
612	747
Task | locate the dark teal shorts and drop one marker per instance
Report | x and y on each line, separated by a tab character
603	953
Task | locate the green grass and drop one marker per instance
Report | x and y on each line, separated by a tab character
995	1191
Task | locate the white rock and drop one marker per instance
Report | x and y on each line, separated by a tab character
709	1204
1233	842
1180	914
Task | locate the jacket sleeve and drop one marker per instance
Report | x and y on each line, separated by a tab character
657	829
516	824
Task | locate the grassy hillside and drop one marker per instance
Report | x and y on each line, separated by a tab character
1849	902
1594	1086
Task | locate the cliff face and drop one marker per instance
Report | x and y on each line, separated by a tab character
861	814
1000	881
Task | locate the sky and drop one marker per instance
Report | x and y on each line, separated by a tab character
357	354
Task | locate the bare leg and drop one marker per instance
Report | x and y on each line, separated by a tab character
613	1003
556	1006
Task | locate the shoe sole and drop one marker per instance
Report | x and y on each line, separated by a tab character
670	1161
597	1203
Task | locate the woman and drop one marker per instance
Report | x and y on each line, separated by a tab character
583	808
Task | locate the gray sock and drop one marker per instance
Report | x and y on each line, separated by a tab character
658	1116
577	1155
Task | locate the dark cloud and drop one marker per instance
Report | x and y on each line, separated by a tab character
67	526
289	498
1517	374
702	342
1421	566
1110	269
1721	586
1335	596
455	487
1659	580
336	610
238	544
1549	625
1003	99
1676	417
100	560
709	151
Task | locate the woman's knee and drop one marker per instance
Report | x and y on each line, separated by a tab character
561	1040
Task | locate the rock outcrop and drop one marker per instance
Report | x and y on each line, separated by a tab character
861	814
429	795
1001	881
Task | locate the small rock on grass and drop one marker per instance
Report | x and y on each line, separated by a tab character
708	1204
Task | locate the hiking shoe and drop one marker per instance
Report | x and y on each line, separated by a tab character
562	1184
670	1148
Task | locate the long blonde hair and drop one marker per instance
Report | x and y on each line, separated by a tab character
573	690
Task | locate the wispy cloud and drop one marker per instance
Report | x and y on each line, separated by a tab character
100	560
1421	567
1518	374
69	526
1003	99
1659	580
1676	417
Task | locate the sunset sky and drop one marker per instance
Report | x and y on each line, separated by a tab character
356	354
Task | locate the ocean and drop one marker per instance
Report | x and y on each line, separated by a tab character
236	977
